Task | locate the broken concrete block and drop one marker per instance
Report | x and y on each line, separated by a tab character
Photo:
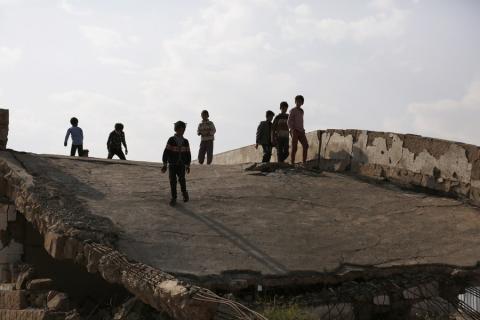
13	300
26	274
40	284
7	286
57	301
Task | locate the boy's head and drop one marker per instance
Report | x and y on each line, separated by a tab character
299	100
180	127
205	115
74	122
270	115
283	106
118	127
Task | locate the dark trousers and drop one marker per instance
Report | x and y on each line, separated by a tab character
173	173
206	147
116	152
74	149
282	148
267	152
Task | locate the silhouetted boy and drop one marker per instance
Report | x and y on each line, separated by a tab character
280	133
177	156
206	130
264	136
295	123
77	138
115	141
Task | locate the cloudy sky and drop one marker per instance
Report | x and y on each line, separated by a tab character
410	66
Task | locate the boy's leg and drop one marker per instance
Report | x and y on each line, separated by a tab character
209	152
181	178
201	152
294	145
183	182
73	150
304	142
110	154
80	150
267	152
282	149
172	175
121	155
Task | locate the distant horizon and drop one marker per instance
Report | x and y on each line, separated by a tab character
407	67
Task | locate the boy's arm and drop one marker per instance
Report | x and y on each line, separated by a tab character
259	133
81	133
213	130
166	154
124	142
198	130
109	141
188	155
291	120
66	137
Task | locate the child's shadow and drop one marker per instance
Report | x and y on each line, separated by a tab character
238	240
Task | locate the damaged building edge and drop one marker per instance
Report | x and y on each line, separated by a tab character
162	290
446	167
156	288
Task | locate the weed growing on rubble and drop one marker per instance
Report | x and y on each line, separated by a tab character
291	312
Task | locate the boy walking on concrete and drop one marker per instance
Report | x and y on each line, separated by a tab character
264	136
177	156
206	130
115	141
280	133
77	138
295	124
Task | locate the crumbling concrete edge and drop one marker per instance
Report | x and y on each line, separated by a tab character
161	290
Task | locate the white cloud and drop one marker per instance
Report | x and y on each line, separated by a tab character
383	4
449	119
72	9
105	38
9	57
389	23
124	65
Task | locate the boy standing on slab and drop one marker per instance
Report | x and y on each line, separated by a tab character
297	131
280	133
264	136
115	141
177	156
206	130
77	138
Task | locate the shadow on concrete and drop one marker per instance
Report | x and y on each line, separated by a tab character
48	173
238	240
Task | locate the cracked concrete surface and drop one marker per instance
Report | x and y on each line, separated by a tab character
274	224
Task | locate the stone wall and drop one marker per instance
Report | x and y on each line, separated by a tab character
410	160
4	119
250	154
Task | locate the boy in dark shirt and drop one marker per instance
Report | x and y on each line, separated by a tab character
281	133
177	156
77	138
264	136
115	141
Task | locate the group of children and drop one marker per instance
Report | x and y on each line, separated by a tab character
277	133
176	154
177	157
